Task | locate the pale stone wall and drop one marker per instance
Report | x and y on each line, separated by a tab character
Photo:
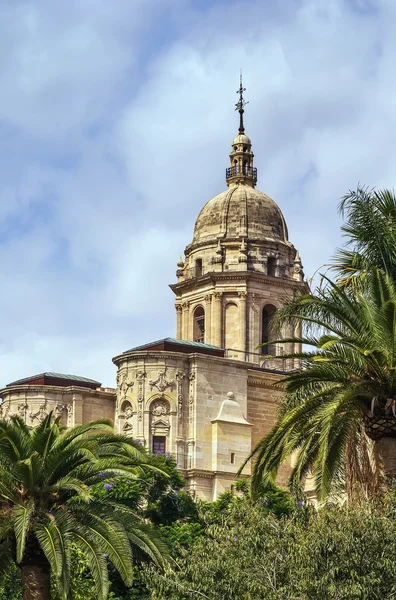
264	397
73	404
201	429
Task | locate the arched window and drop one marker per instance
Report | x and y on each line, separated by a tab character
245	168
271	266
198	267
236	166
199	324
267	317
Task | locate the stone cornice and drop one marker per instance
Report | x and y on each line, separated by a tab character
224	276
206	474
56	389
134	354
265	380
235	241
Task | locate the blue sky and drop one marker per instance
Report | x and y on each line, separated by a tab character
116	120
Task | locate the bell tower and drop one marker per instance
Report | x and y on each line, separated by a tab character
239	266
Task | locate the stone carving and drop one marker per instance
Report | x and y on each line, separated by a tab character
58	410
161	383
40	414
128	425
179	378
191	394
160	417
4	410
159	409
178	308
22	409
123	385
242	295
140	376
70	415
191	399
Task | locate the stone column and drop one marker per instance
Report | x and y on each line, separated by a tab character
217	320
178	321
208	319
186	320
242	324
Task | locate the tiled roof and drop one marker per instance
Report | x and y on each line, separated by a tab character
51	375
198	345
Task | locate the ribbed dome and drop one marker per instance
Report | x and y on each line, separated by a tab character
241	211
241	138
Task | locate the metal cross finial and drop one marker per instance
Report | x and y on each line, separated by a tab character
239	106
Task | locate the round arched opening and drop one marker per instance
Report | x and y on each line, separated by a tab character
266	326
199	325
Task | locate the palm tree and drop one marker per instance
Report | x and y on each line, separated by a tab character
47	505
339	413
370	228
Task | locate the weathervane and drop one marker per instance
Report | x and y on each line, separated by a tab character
239	106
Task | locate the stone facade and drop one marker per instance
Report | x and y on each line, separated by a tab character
212	393
209	411
73	404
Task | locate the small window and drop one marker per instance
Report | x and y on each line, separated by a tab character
159	444
198	267
271	266
199	324
233	458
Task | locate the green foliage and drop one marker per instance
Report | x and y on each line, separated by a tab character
337	553
370	231
10	583
48	506
348	375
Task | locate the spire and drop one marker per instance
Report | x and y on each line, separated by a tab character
241	169
240	105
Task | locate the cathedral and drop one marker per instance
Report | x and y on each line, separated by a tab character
209	394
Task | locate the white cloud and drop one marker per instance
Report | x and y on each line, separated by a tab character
115	126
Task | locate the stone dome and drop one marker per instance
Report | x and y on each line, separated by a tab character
241	212
241	138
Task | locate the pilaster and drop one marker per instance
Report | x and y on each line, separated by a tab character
217	321
208	319
179	309
242	322
186	320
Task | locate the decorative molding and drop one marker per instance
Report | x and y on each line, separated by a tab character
70	415
161	383
123	385
140	376
159	409
127	427
242	295
179	378
4	410
178	308
22	409
40	414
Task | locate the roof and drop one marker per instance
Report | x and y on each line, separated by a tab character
174	345
241	211
56	379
